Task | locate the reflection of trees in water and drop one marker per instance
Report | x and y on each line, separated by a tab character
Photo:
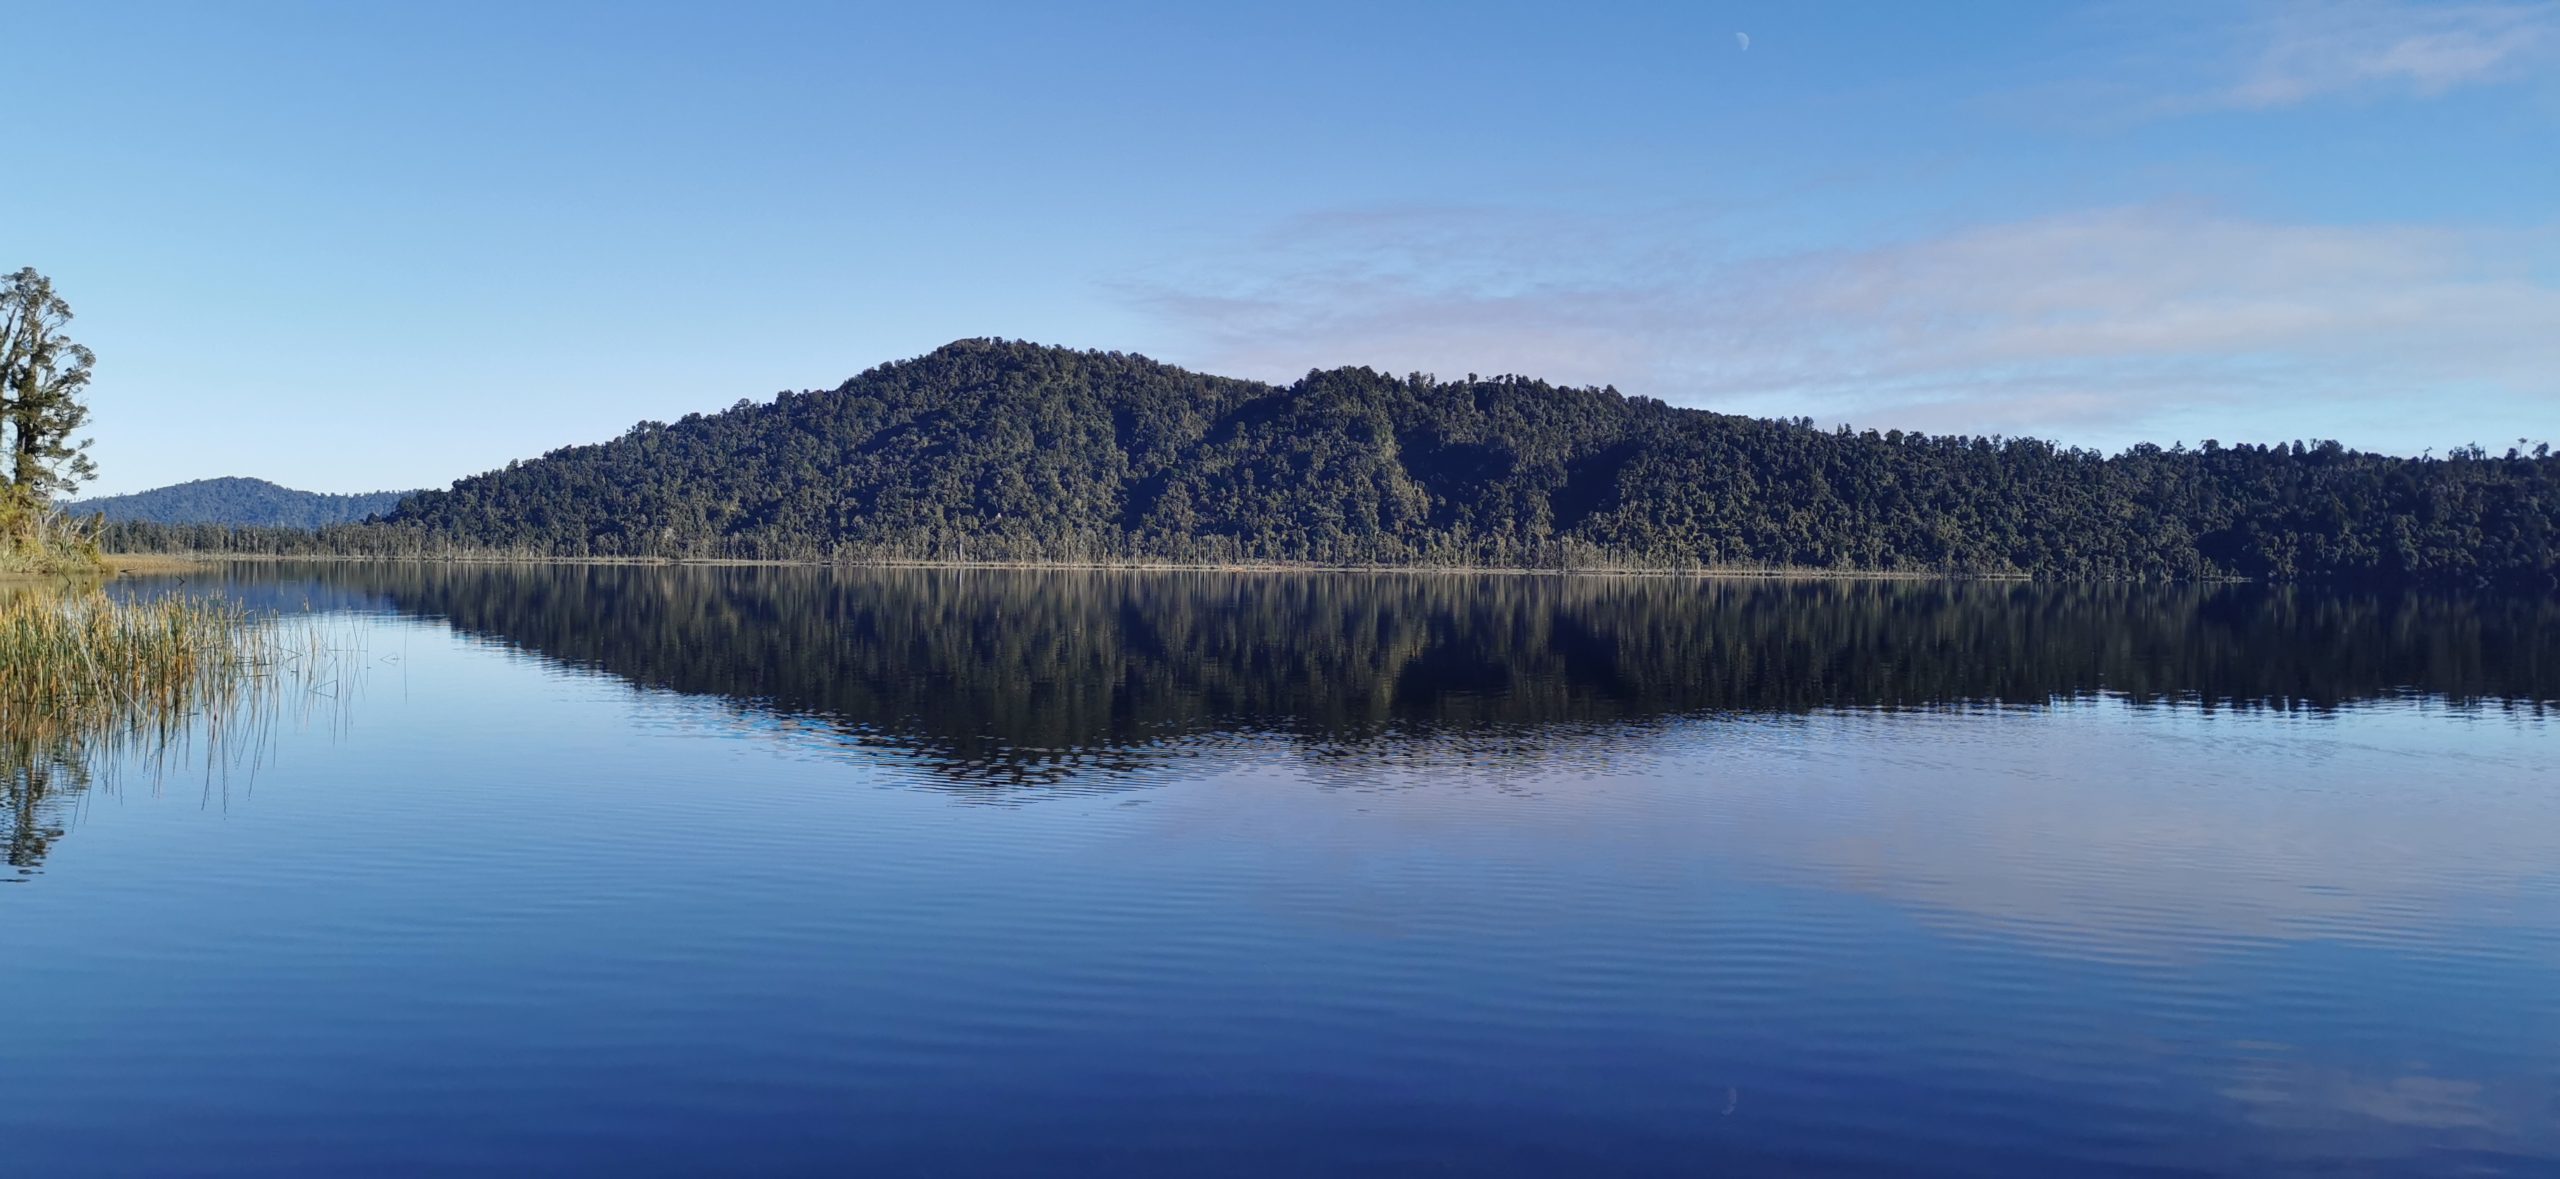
37	781
1019	676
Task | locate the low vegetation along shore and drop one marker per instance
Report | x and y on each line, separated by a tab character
47	549
79	666
233	545
90	682
84	679
77	660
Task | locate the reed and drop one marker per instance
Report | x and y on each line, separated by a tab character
90	683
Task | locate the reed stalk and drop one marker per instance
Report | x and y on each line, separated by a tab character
90	683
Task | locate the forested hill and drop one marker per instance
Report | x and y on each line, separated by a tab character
240	502
991	450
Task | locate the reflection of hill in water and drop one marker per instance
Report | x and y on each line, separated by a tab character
1004	676
1011	676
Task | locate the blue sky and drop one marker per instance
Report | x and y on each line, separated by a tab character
349	247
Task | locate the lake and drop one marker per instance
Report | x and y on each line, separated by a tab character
958	872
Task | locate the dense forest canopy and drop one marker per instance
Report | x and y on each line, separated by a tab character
253	503
998	450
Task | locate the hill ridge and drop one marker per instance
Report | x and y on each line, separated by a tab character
239	501
990	449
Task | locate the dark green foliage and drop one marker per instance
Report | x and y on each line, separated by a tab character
248	503
42	375
991	450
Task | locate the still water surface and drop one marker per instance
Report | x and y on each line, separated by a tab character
752	870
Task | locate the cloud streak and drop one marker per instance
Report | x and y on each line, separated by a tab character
2100	324
2314	50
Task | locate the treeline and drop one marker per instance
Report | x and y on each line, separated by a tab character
990	450
372	539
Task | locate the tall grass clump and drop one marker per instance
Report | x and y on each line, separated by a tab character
89	682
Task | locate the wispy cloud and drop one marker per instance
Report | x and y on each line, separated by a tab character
2137	63
2312	50
2093	325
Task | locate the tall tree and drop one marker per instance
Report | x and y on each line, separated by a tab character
42	374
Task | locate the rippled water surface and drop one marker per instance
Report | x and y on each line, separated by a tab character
691	870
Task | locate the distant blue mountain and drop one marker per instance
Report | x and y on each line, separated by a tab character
235	501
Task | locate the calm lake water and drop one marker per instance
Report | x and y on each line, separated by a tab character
643	871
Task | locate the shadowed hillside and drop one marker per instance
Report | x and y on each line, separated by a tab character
251	503
989	450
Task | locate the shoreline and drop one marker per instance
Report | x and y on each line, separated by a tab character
159	563
148	564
